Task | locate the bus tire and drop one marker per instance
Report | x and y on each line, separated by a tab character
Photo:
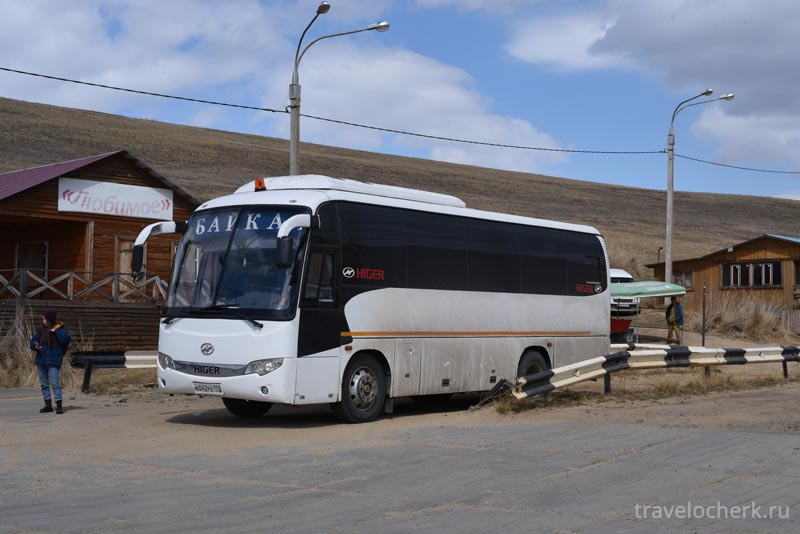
530	363
246	408
363	391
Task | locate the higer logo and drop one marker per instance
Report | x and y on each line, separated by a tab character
362	273
369	274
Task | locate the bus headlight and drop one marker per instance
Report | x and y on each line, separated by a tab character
263	367
165	361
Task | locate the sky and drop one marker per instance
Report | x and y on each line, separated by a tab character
588	75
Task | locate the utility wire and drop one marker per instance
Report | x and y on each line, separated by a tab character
734	166
440	138
142	92
390	130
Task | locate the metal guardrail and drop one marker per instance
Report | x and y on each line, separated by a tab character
645	357
130	359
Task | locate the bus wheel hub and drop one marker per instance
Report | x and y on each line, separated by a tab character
363	387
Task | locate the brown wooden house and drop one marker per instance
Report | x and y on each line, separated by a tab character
66	235
766	267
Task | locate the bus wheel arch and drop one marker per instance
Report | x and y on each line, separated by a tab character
533	360
365	383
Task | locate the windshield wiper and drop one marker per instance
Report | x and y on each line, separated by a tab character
235	311
169	318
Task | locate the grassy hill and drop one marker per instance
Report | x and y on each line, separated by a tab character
209	163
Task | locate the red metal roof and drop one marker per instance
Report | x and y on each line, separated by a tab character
14	182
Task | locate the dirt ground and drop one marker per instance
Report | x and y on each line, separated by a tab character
136	460
120	413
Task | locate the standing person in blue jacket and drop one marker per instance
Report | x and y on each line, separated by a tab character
50	343
674	320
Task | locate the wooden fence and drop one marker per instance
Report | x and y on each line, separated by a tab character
790	320
102	311
75	286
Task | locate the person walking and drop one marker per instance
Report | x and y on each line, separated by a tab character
50	342
674	317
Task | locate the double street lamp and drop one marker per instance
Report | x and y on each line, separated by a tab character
670	170
294	87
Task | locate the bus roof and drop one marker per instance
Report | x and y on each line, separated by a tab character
316	189
326	183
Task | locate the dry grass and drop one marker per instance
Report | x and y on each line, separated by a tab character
658	385
751	317
119	381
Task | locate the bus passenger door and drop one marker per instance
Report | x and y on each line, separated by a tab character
321	325
406	369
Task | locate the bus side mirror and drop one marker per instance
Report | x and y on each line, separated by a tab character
283	254
163	227
136	261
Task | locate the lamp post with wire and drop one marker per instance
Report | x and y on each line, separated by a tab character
670	172
294	87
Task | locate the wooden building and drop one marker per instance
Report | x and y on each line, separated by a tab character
766	268
66	235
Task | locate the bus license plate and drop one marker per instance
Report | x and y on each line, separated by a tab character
207	389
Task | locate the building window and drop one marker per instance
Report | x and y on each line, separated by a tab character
736	275
758	275
767	274
797	272
684	279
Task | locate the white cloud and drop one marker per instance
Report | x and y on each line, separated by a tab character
563	42
750	138
478	5
240	51
739	46
402	90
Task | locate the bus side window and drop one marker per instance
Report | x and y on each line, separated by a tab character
319	282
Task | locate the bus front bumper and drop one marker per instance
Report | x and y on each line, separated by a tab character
277	386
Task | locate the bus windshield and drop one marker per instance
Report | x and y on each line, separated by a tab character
225	265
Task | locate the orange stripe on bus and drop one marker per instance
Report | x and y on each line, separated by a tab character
461	334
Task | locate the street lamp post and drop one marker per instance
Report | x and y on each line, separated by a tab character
670	171
294	87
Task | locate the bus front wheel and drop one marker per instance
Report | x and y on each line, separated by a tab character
246	408
363	391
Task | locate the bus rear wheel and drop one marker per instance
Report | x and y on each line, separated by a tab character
246	408
532	362
363	391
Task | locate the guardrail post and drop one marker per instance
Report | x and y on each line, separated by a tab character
606	384
785	369
87	376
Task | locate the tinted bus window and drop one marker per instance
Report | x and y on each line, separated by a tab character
328	231
373	245
544	270
586	268
492	257
436	251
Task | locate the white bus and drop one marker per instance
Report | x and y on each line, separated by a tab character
310	289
